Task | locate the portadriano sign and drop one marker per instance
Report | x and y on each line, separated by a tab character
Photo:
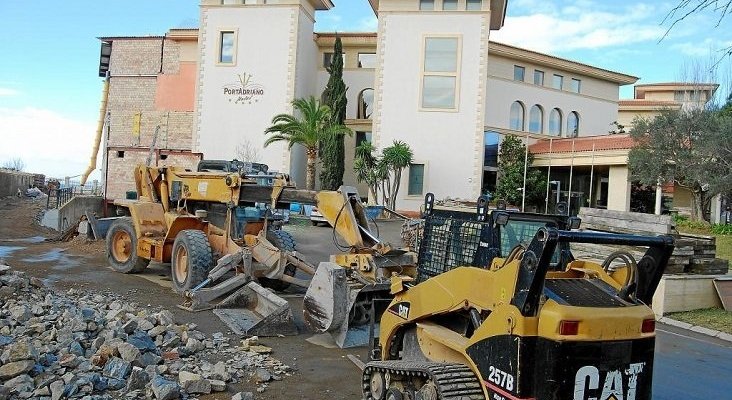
245	91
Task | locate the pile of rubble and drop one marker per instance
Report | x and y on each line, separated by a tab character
89	346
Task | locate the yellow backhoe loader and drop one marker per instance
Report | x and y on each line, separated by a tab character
530	324
189	219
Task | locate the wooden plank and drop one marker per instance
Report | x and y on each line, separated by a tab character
625	215
724	290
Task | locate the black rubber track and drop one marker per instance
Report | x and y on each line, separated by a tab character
283	241
453	381
200	259
135	263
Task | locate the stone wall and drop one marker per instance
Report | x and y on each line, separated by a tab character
11	181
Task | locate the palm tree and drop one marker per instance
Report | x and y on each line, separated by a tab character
396	157
313	127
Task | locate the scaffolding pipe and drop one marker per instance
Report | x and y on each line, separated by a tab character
100	129
592	174
526	167
571	171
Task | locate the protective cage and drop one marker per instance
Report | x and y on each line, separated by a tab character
449	242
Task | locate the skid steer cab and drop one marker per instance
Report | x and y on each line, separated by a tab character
532	325
190	220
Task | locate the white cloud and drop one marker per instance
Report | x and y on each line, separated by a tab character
46	141
708	47
581	25
8	92
368	24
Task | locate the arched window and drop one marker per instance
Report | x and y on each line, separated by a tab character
555	122
573	123
365	104
517	116
536	119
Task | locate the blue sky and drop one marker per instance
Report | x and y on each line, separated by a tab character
50	92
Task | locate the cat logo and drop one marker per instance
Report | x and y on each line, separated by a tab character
587	383
400	309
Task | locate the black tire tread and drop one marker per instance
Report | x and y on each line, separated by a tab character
200	259
453	381
135	264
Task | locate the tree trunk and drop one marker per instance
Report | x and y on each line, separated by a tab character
395	188
697	212
312	154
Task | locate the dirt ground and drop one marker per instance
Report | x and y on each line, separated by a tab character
320	373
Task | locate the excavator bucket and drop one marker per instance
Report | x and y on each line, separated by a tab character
329	305
254	310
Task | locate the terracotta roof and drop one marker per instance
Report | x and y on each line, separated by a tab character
581	144
676	84
643	102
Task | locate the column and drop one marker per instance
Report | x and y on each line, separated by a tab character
618	189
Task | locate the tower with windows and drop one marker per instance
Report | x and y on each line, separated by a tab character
431	88
255	58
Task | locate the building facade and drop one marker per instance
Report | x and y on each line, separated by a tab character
429	76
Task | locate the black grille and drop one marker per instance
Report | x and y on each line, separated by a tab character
448	243
582	292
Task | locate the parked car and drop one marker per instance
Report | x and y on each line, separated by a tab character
316	218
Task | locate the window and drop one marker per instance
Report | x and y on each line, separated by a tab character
226	47
367	60
449	5
555	122
538	77
328	59
231	1
576	85
573	124
416	180
441	71
474	5
120	154
679	95
362	137
695	95
426	5
536	119
517	116
558	82
518	73
490	154
365	104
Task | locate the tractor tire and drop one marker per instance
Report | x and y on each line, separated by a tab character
191	260
283	241
122	247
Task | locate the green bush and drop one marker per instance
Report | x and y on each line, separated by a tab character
685	223
718	229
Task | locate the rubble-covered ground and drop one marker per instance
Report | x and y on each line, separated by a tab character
314	373
97	346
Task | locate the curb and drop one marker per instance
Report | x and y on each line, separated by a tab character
697	329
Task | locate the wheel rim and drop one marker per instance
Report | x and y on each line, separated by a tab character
181	264
121	246
377	386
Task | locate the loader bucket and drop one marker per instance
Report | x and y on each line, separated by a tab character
327	306
254	310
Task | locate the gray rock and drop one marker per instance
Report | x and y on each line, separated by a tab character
13	369
218	371
115	384
76	348
5	340
69	361
57	389
165	318
137	380
262	375
128	352
22	349
144	324
20	384
217	385
243	396
116	368
21	313
194	346
156	331
150	358
164	389
129	327
194	383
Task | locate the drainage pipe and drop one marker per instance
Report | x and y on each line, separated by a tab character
100	129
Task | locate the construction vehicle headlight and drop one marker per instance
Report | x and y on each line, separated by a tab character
649	325
501	218
569	328
574	223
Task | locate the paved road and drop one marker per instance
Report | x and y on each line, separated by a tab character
691	367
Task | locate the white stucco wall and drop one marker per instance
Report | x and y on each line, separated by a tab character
355	80
596	114
448	143
266	37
